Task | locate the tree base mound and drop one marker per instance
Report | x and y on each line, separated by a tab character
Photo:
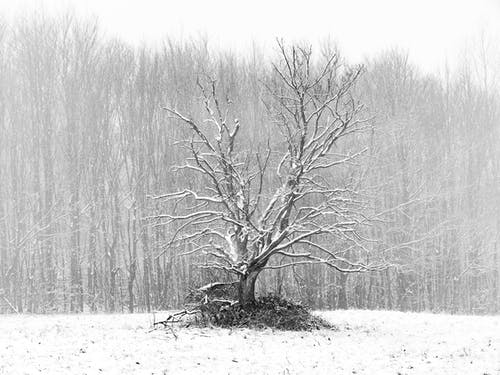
268	312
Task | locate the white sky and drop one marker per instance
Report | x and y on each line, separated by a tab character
432	31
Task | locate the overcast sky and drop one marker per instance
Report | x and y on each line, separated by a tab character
432	31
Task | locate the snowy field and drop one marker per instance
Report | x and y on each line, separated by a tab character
368	342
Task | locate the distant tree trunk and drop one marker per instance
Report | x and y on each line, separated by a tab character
76	273
147	272
131	279
342	296
388	289
496	281
401	287
132	244
48	202
92	263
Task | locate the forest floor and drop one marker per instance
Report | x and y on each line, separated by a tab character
366	342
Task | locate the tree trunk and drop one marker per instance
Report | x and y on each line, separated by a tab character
342	292
246	289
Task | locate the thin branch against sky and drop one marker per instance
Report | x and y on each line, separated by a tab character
433	32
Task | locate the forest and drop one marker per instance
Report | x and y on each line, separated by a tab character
88	147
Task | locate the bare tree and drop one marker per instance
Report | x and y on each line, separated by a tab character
239	216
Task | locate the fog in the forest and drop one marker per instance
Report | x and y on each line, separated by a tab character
87	147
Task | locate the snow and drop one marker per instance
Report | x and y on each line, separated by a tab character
368	342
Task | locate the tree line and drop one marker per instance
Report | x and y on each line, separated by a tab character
86	146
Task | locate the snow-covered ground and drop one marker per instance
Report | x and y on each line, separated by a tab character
368	342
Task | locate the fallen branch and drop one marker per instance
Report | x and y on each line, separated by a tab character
176	318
